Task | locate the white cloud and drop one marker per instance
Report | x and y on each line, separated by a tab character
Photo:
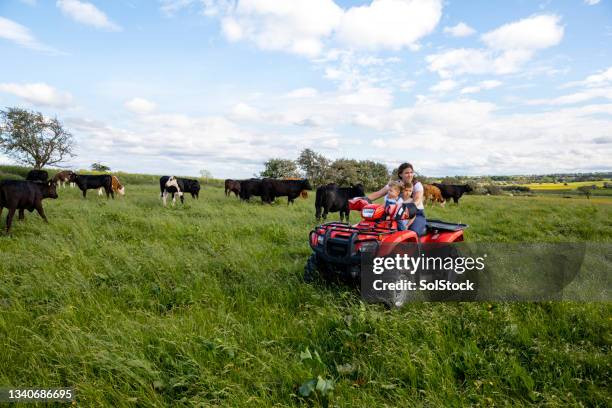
29	2
472	137
140	105
245	111
389	24
307	27
591	2
531	33
509	48
303	93
601	78
297	26
483	85
39	94
17	33
444	86
460	61
460	30
574	98
86	13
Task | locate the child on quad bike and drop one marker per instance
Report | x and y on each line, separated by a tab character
399	193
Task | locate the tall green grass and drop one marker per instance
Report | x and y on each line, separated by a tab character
204	305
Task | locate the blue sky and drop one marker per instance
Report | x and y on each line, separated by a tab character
455	87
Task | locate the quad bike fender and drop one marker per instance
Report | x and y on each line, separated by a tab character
400	237
445	237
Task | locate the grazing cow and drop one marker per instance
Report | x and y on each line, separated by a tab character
37	175
232	186
24	195
331	198
433	194
89	182
190	186
63	177
453	191
116	185
249	188
170	185
178	185
273	188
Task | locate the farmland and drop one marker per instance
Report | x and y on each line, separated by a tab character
204	305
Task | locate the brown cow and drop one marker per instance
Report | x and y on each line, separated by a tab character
63	177
433	194
117	187
232	186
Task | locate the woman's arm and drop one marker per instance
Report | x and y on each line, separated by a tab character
377	194
417	197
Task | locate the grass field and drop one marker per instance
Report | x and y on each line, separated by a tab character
204	305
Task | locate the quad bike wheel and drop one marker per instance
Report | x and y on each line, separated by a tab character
395	299
311	269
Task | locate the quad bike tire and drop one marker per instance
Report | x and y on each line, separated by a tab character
311	269
396	299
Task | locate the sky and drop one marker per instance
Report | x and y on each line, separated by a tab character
454	87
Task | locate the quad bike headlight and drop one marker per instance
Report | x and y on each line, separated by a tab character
370	246
320	239
367	212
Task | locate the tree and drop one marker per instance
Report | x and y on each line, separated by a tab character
586	190
314	165
280	168
344	172
31	139
372	175
100	167
205	174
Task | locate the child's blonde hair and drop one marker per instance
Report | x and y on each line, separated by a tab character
396	184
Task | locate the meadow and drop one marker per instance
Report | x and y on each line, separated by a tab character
204	304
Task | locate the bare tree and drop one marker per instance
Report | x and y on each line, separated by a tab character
32	139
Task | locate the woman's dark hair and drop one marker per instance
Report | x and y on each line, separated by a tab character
403	167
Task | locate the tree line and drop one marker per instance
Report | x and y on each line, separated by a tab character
320	170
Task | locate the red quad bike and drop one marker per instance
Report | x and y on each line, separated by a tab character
338	247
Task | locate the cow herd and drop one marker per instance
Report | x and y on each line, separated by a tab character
28	195
268	189
330	197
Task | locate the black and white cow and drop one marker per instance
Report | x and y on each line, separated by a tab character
178	186
170	185
90	182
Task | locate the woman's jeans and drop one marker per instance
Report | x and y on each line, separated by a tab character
419	225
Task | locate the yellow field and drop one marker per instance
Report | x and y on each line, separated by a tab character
561	186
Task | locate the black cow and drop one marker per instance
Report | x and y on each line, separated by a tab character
177	185
37	175
232	186
249	188
190	186
331	198
453	191
272	188
24	195
89	182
